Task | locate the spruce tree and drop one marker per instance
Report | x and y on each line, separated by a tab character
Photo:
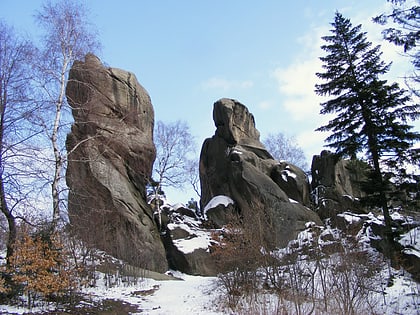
371	115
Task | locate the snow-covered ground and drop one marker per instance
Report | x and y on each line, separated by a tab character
200	295
188	294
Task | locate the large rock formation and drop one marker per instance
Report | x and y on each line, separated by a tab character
336	184
111	158
234	163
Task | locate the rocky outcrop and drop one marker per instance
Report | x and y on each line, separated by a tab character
336	184
293	181
188	244
111	157
234	163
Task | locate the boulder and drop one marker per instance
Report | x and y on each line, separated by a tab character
234	163
111	154
186	211
293	181
220	214
188	245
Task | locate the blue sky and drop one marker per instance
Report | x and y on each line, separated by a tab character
188	54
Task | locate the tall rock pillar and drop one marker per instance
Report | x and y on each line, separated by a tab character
111	154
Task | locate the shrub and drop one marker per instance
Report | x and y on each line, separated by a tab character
39	268
238	255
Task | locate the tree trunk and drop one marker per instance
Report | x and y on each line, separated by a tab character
373	149
11	221
58	156
382	195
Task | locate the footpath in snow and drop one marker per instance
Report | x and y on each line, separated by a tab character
189	295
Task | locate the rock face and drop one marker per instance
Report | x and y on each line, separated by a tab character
111	158
234	163
336	184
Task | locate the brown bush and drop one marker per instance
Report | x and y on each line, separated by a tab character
238	254
39	268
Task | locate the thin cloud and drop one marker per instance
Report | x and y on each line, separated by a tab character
266	104
225	84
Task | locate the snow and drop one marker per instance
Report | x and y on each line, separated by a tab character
218	200
236	151
191	295
304	237
374	219
178	205
310	224
411	239
189	245
349	217
396	216
348	196
9	309
292	200
410	251
402	297
203	295
290	173
197	238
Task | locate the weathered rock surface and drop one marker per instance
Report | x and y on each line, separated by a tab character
235	163
293	181
111	157
336	185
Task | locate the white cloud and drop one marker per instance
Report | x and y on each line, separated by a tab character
266	104
225	84
296	83
311	141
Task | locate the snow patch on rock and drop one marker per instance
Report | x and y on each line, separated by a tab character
218	200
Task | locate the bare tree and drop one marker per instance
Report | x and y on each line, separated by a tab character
194	175
174	147
173	165
68	37
286	148
15	56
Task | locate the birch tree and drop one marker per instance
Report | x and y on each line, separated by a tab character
68	36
